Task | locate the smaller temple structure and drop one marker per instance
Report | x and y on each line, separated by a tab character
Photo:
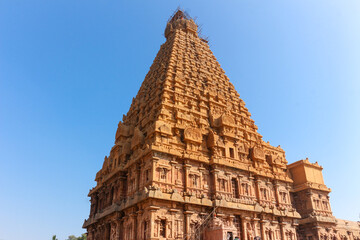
312	201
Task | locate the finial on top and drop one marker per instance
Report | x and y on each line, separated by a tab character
180	20
179	14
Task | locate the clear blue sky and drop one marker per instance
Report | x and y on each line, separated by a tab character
69	70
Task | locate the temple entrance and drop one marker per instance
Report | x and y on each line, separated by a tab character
229	236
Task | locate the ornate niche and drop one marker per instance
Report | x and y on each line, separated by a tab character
257	154
243	151
227	120
163	132
216	144
276	160
227	124
163	128
193	138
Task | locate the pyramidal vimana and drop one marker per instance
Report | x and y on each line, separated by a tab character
188	162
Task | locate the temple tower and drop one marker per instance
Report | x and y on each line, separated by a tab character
188	162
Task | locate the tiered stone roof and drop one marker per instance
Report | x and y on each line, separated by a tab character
187	107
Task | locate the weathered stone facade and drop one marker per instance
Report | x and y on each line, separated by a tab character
188	162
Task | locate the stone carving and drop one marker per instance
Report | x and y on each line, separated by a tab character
164	128
227	120
193	135
258	154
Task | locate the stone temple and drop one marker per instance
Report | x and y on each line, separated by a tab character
188	162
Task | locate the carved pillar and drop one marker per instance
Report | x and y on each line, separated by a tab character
257	189
125	223
152	225
243	230
187	216
328	201
236	150
241	190
100	232
114	230
152	210
139	226
154	165
134	221
231	219
229	188
256	222
120	230
172	218
202	173
262	228
295	234
215	185
317	230
186	177
276	189
282	230
173	165
288	187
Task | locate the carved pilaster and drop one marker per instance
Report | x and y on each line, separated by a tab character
215	174
152	210
186	172
257	189
243	226
256	222
154	165
262	228
282	230
276	189
187	216
173	165
133	217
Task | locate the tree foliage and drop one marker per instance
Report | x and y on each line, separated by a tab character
72	237
82	237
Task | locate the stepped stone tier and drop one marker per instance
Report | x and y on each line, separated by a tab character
188	162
